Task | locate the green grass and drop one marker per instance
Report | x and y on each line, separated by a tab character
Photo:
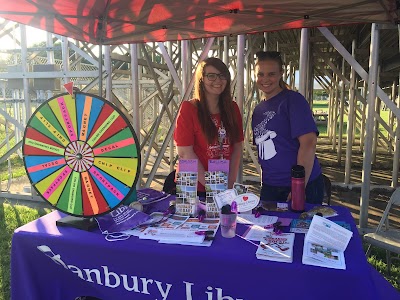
378	260
322	105
12	216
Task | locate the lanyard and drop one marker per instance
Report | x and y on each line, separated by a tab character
221	137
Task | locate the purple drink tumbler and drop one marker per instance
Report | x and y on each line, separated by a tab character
298	188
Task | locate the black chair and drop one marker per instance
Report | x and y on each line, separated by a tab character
170	184
327	189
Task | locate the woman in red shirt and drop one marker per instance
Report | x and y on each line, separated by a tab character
210	125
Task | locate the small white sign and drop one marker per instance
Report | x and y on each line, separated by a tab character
246	202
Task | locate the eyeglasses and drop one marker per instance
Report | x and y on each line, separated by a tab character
213	76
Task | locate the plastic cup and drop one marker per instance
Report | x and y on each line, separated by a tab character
228	225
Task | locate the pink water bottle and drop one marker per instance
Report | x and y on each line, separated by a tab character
298	188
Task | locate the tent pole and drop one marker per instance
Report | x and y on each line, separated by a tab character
65	58
171	143
265	41
100	69
135	95
351	118
396	154
310	79
335	110
184	63
240	88
391	118
24	65
135	89
341	111
284	68
108	67
303	61
372	90
363	117
226	50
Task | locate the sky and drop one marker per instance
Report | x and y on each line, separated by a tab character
33	36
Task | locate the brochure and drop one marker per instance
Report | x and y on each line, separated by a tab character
216	181
302	226
275	247
186	187
325	243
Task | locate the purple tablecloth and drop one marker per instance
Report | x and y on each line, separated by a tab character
49	262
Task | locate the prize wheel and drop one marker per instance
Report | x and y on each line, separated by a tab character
81	154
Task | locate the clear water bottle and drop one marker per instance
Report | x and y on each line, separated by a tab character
298	188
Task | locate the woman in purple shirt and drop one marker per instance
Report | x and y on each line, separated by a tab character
285	133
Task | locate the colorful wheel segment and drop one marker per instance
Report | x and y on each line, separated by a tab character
81	154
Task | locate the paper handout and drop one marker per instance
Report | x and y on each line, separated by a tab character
325	243
276	247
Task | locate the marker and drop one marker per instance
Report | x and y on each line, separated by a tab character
234	207
207	232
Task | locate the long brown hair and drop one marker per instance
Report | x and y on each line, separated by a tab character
225	104
276	57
